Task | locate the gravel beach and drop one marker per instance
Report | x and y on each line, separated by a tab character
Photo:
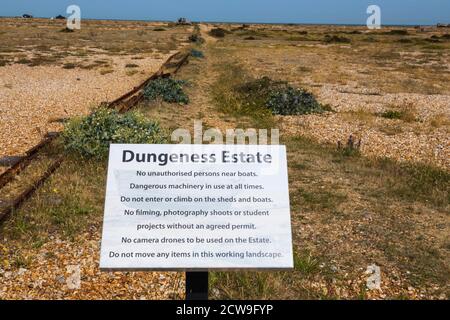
33	98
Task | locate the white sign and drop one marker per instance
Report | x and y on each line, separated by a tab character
196	207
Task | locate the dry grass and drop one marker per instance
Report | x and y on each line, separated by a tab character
440	120
390	65
66	204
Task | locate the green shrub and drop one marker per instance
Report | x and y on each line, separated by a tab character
196	38
218	32
336	39
259	90
197	54
278	97
90	136
397	32
391	114
351	148
170	90
66	29
354	32
293	101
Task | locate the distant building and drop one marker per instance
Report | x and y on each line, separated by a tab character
443	25
27	16
183	21
60	17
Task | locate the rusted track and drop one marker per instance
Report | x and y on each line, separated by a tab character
127	101
29	191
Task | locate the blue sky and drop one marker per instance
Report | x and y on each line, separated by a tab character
295	11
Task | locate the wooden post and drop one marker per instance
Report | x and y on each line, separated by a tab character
197	285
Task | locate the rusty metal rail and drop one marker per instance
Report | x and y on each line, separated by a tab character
127	101
31	189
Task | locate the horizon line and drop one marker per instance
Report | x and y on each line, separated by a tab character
240	22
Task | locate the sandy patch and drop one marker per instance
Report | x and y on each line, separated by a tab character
32	97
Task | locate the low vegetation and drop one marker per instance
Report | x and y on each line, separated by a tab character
196	38
293	101
348	210
279	97
168	89
218	32
405	113
238	94
67	30
384	185
336	39
351	148
90	136
131	65
397	32
197	54
231	100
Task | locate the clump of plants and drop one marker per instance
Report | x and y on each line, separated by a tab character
391	114
397	32
91	136
351	148
405	113
196	38
279	97
67	30
69	66
293	101
131	65
197	54
259	90
168	89
218	32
